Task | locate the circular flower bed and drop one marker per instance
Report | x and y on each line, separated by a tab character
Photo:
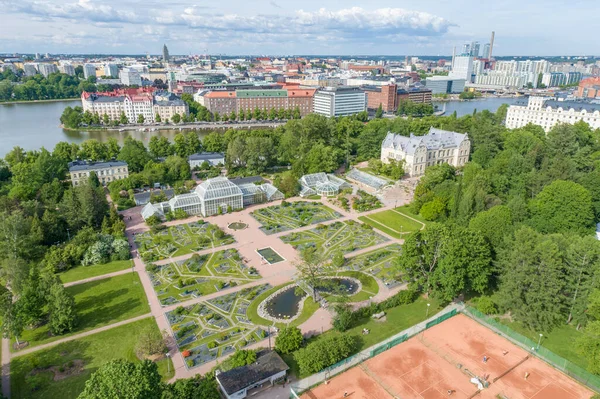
237	226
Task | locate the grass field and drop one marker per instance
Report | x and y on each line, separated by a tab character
397	319
405	209
83	272
560	340
99	303
93	350
392	223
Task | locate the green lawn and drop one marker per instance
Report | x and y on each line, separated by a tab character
560	340
398	319
99	303
392	223
93	350
83	272
405	209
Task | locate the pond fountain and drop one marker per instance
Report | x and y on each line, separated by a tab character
283	305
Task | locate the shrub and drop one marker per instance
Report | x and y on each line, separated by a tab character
153	220
186	353
288	340
343	318
211	345
325	352
486	305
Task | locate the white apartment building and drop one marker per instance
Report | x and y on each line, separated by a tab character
340	101
146	104
47	69
419	152
67	68
503	79
547	112
111	70
130	77
89	70
30	69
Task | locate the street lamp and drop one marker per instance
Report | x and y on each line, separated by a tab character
539	341
321	324
168	363
427	313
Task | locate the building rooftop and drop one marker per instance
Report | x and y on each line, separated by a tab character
246	180
261	93
578	106
84	165
434	139
205	156
268	363
218	187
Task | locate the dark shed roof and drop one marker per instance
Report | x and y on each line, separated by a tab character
268	363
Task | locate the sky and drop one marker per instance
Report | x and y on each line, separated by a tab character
278	27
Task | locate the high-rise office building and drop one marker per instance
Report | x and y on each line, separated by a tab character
462	67
466	49
165	53
474	49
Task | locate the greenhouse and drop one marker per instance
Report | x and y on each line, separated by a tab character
218	195
321	184
367	179
254	194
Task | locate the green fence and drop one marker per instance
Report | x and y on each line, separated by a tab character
558	362
440	319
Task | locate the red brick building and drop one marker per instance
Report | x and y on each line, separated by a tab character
389	96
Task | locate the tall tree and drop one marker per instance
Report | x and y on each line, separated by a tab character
561	207
135	154
61	308
532	280
447	262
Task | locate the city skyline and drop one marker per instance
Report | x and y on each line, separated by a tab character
271	27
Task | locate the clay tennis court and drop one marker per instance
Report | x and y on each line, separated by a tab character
444	358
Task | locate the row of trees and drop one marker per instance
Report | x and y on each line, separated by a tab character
18	87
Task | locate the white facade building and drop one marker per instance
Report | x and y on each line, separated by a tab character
547	112
30	69
146	104
462	67
89	70
111	70
419	152
67	68
47	69
340	101
130	77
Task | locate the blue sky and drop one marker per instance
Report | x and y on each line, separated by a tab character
278	27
